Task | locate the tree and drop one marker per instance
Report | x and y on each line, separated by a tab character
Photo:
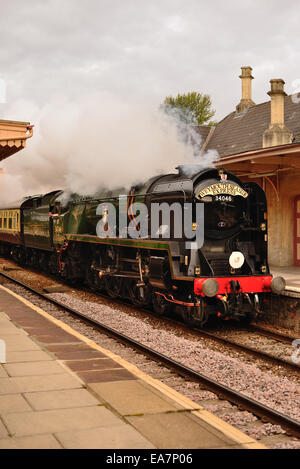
194	107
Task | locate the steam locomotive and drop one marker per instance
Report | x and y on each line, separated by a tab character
201	266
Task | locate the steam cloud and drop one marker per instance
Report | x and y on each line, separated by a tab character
99	141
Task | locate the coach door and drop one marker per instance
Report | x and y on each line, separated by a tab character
297	231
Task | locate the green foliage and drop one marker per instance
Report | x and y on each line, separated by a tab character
194	107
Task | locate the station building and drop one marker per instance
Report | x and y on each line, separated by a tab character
261	143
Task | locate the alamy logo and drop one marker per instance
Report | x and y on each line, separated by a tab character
2	351
296	352
166	221
296	91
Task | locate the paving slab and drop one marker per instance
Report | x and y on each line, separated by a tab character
8	330
18	343
30	442
93	364
60	399
20	384
3	372
55	338
13	403
119	374
34	368
3	431
43	330
122	436
18	313
79	354
54	421
178	430
63	348
146	399
34	322
5	322
27	356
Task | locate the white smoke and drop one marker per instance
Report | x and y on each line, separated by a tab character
99	141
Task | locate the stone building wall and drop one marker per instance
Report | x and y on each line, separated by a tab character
281	216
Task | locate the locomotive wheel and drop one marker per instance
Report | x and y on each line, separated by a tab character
160	305
53	264
19	256
247	319
113	286
139	295
92	279
193	316
187	316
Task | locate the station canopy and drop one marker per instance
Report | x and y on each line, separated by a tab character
264	161
13	136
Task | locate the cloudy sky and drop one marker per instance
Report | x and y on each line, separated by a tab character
144	48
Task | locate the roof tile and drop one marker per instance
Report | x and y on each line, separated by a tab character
238	133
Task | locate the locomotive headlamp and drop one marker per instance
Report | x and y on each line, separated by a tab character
278	285
236	260
210	287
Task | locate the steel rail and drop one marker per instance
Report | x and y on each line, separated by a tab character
271	334
264	412
250	350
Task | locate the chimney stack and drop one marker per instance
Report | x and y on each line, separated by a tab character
246	100
277	133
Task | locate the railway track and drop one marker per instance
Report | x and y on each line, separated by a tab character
271	334
268	357
256	353
260	410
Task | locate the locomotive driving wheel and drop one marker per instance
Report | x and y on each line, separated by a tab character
160	305
113	285
194	316
140	295
92	279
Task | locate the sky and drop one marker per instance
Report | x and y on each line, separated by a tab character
60	54
146	49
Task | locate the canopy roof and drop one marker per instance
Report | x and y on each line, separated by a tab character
13	136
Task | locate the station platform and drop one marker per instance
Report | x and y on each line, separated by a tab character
291	274
59	389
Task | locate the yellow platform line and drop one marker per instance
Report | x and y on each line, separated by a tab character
225	428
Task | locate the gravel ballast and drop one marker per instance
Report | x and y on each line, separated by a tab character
278	393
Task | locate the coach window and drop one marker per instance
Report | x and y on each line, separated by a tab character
0	223
4	223
10	223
